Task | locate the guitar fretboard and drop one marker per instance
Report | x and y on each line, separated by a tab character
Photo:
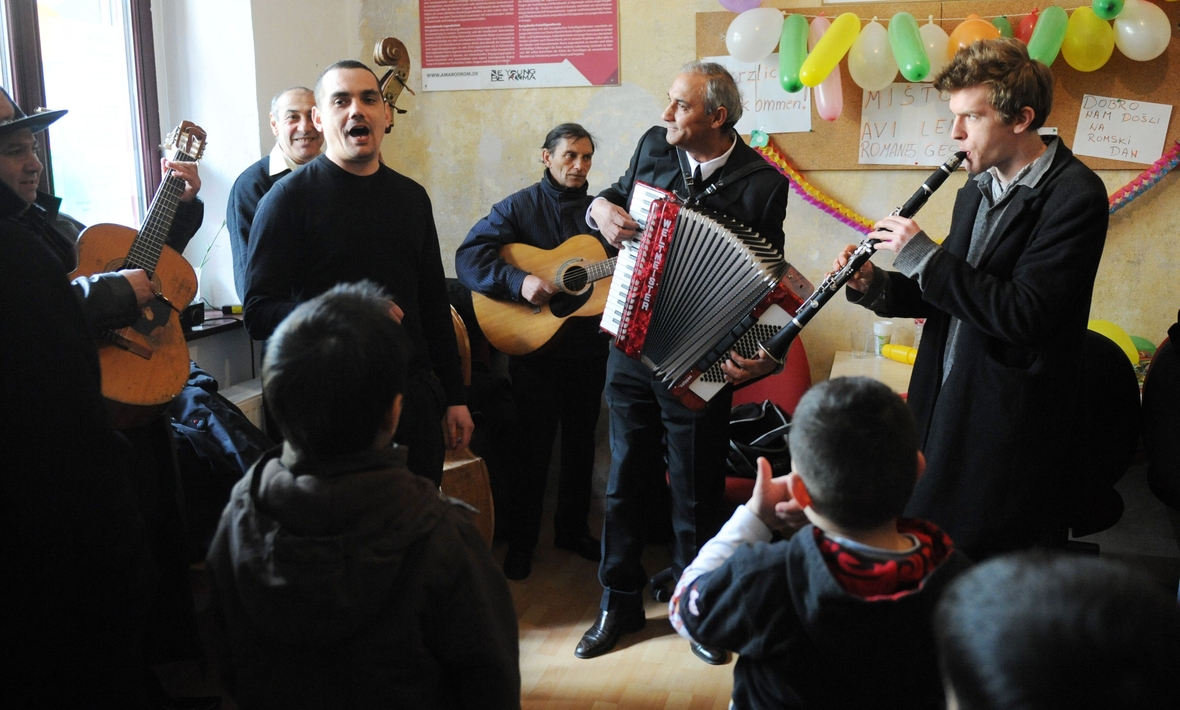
601	270
145	250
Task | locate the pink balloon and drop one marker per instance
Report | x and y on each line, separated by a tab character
829	95
740	5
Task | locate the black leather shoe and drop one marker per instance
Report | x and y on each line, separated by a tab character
604	634
518	564
709	654
584	545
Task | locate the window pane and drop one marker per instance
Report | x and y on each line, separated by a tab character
87	61
5	60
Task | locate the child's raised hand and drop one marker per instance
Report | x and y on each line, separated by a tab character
769	494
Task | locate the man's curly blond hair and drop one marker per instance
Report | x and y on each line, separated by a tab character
1014	79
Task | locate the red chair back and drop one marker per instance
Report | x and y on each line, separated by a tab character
784	389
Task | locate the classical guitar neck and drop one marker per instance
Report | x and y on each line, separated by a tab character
189	142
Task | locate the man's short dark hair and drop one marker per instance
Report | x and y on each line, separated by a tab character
720	90
1014	80
855	443
1036	630
333	369
342	64
571	132
274	101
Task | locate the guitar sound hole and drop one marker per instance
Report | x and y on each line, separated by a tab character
575	278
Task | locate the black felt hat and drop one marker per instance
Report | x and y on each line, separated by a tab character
36	123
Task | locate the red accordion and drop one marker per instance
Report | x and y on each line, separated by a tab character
695	286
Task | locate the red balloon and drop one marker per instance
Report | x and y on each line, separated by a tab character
1028	23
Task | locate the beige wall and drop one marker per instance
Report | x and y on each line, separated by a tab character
472	148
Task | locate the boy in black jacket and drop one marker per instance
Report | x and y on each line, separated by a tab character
838	616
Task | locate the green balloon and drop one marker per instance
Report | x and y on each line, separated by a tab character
1005	27
792	52
1047	36
908	48
1107	9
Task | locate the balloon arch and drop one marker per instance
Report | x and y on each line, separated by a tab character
809	52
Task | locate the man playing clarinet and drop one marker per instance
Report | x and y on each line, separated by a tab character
695	149
1006	298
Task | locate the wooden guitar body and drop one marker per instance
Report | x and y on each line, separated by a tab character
521	328
145	364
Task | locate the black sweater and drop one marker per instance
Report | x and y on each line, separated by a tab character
322	226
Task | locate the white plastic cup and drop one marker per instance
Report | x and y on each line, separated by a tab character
883	335
919	324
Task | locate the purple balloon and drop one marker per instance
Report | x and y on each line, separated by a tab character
740	5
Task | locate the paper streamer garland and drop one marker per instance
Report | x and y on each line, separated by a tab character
814	196
811	194
1147	179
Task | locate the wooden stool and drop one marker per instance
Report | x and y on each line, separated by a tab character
465	476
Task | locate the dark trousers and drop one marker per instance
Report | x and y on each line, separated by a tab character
647	422
421	426
548	391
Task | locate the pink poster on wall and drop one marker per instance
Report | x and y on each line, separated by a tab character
513	44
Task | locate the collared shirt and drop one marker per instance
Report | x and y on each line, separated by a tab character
280	162
711	166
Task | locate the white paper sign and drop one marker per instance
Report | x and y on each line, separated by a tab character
765	105
1121	129
905	124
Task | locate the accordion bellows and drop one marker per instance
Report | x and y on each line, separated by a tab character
698	285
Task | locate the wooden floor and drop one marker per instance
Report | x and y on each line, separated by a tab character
652	668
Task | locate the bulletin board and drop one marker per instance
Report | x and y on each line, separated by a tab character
833	145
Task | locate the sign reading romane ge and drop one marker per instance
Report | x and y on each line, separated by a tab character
512	44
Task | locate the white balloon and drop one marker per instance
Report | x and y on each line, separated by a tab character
870	61
754	34
934	39
1142	30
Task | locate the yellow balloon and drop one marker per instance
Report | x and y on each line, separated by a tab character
1089	40
830	49
1119	336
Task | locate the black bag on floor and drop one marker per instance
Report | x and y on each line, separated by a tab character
215	445
758	429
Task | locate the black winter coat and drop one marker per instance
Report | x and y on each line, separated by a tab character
997	433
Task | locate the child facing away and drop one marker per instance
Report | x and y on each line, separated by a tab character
1041	631
340	578
839	615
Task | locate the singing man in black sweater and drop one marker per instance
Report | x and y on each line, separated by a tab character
345	217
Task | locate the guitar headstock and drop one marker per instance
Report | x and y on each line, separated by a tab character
188	140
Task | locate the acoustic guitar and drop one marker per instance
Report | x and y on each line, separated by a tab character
146	364
574	266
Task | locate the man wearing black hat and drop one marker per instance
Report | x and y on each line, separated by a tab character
110	300
71	470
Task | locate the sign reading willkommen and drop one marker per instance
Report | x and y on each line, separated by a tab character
766	106
905	124
513	44
1121	129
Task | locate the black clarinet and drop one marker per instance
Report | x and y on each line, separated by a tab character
776	347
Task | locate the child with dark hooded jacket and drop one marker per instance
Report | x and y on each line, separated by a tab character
839	614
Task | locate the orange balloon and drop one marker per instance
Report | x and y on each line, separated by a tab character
970	30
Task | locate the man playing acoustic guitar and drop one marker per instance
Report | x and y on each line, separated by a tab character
110	300
563	382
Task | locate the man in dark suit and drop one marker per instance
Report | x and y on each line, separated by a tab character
697	149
